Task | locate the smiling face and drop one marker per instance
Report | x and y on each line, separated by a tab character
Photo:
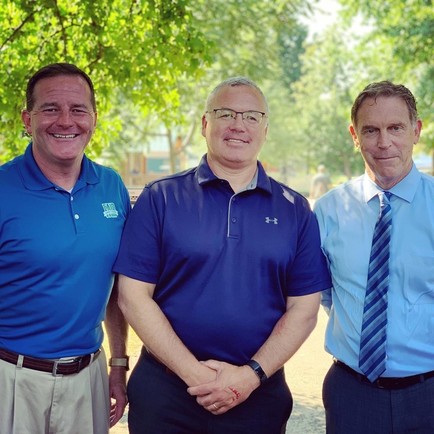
234	144
61	121
385	136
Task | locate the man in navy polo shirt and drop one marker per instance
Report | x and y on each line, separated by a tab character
61	219
220	273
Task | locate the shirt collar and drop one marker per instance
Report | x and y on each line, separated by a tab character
34	179
405	189
205	175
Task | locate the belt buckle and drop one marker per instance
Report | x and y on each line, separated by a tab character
79	361
59	363
379	384
54	370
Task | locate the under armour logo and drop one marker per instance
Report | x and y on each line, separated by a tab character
271	220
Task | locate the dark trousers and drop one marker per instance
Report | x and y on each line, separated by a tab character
354	407
159	403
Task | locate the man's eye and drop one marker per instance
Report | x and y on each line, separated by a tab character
251	117
369	131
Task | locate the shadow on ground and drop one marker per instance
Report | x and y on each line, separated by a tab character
307	416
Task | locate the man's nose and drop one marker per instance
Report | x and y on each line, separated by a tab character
65	117
238	121
383	139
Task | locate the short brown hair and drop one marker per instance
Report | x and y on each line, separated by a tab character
385	88
54	70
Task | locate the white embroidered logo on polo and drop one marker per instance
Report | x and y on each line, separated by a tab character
271	220
110	211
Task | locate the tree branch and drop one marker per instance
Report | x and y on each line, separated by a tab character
17	30
63	32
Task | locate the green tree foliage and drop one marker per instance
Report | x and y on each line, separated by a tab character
291	47
404	30
153	62
408	25
395	42
136	48
248	38
317	114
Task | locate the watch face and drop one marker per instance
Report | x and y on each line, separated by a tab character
119	361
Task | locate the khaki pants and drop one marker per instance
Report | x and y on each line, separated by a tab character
34	402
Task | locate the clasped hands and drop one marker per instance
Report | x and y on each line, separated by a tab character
231	386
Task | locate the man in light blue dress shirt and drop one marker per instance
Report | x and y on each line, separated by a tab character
385	127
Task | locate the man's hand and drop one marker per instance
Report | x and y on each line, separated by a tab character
118	393
233	385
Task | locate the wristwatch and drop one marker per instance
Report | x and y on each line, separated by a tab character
120	361
258	370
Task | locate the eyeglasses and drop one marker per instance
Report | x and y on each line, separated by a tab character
250	117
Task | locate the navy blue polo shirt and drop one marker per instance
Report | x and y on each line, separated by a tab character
223	263
57	250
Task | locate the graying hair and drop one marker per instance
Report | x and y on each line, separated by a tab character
387	89
233	82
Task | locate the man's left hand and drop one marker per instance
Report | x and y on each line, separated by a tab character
233	385
118	394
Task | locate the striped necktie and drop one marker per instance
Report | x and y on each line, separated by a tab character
372	358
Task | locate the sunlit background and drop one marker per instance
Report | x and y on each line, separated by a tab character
154	62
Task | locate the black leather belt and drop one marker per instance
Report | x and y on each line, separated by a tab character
56	367
387	382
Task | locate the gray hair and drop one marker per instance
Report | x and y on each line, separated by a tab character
233	82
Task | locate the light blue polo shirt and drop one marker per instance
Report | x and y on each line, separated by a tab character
56	253
223	263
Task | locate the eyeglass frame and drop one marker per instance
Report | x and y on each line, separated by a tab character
263	114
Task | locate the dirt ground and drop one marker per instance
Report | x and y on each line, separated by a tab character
304	375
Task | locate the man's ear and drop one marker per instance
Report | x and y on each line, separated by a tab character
417	130
204	124
354	136
25	116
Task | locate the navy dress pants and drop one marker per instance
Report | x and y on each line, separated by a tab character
355	407
159	403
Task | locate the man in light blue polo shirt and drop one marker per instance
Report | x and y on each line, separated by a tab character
61	219
220	277
385	127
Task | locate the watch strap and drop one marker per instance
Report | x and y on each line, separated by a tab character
258	370
122	362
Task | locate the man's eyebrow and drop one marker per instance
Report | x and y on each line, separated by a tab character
369	127
47	104
85	106
55	104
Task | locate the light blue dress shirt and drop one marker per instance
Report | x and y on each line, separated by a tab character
347	217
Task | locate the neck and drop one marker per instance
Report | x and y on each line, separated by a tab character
384	182
64	176
238	177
